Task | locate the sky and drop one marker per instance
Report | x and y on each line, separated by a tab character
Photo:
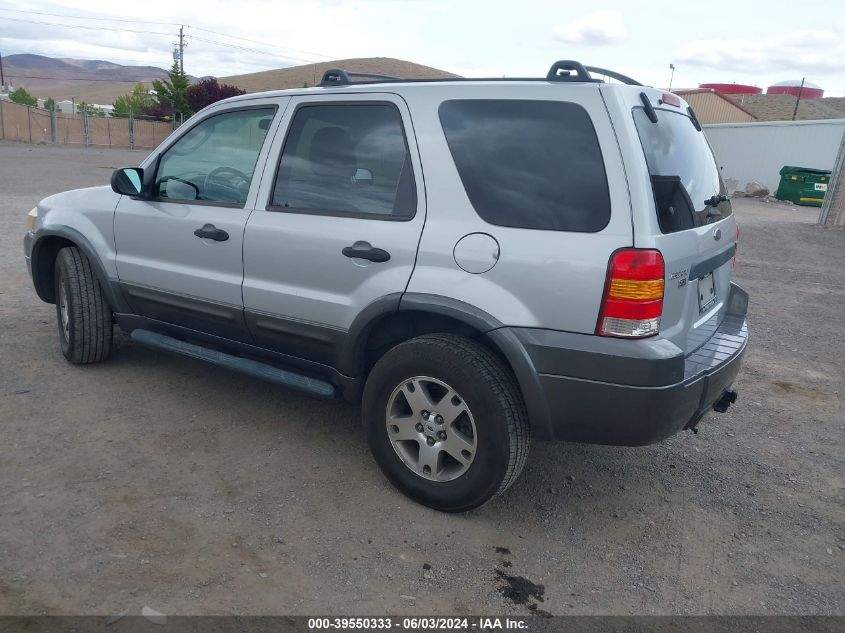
759	42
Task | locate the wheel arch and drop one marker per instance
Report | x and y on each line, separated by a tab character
45	248
400	317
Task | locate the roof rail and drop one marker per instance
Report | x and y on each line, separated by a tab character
562	71
613	74
340	77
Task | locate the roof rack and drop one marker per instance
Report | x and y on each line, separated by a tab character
614	75
340	77
563	71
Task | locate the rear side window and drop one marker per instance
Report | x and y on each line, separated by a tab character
346	159
682	169
529	164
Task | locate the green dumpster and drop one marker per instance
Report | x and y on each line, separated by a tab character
803	185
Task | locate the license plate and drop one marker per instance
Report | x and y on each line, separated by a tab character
820	186
706	293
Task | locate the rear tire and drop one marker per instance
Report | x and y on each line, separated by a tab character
460	444
84	317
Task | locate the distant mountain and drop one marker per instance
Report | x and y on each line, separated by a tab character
94	81
311	74
101	82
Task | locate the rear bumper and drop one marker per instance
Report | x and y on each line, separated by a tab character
631	393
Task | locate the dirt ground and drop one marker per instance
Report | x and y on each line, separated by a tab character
157	480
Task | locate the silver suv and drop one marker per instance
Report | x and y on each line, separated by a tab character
475	261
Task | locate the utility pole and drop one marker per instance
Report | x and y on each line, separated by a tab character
2	77
672	76
182	48
798	100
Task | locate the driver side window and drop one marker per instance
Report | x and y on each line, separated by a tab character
214	160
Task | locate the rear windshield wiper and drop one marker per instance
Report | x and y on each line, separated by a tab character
712	203
649	109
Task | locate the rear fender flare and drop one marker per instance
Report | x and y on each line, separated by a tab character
350	358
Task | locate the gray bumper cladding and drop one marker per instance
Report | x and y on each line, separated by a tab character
611	391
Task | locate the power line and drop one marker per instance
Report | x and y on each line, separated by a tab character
89	28
251	50
274	55
83	17
246	39
197	28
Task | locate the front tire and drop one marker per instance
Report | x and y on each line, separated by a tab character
84	317
445	421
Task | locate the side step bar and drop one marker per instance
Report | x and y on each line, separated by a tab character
312	386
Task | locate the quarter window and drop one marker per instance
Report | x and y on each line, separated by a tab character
347	159
529	164
214	160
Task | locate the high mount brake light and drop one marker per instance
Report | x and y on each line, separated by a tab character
670	99
633	294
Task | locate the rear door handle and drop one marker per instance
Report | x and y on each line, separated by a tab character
364	250
211	232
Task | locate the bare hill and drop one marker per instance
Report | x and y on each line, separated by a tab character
780	107
310	74
100	81
94	81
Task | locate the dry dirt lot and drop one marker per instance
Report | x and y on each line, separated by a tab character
157	480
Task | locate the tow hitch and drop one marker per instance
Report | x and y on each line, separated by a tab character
727	399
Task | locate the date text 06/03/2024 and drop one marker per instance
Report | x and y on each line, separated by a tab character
419	623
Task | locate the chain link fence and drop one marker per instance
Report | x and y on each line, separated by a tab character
27	124
833	208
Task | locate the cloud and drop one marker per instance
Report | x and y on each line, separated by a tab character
596	29
808	52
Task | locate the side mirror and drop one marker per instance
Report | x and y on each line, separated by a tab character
128	181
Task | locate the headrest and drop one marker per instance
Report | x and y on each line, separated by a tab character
333	153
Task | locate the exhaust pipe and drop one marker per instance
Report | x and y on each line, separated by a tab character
727	399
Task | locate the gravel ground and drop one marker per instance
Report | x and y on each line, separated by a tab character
157	480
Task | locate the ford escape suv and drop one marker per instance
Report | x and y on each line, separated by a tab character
476	261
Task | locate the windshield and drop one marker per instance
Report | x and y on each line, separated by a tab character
682	169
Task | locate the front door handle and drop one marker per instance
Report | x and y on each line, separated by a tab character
211	232
364	250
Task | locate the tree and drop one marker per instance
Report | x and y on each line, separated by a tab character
92	110
159	111
172	95
136	102
208	91
23	97
50	104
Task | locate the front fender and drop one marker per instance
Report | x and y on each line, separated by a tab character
84	218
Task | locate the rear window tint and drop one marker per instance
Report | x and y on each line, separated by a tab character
529	164
682	169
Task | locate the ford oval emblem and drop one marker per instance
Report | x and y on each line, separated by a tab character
717	234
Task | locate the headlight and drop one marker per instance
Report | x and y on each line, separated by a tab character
31	217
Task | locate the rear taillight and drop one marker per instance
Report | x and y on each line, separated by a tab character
633	294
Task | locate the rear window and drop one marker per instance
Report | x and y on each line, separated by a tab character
529	164
682	169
